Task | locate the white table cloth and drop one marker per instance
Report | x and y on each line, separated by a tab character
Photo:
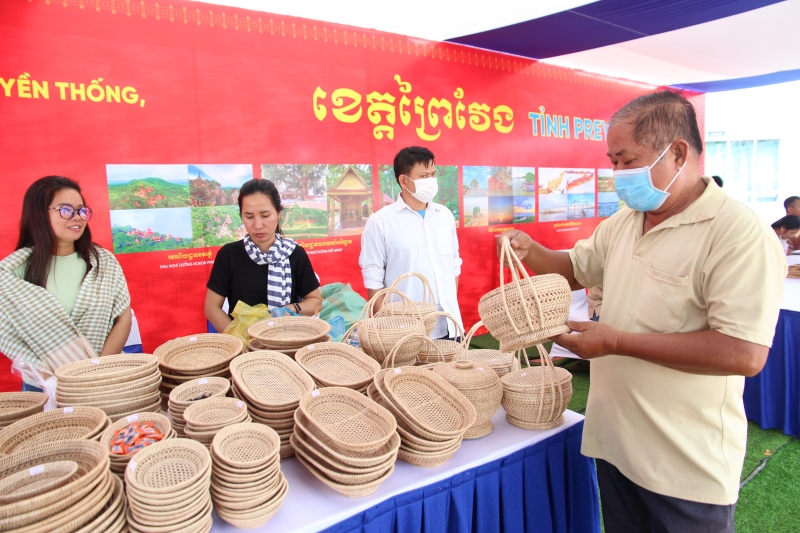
311	506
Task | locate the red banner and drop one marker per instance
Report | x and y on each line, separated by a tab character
161	112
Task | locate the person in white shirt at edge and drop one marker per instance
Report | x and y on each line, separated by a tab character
414	234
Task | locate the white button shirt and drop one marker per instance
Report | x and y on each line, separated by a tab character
398	240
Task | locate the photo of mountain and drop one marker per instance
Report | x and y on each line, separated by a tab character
151	230
147	186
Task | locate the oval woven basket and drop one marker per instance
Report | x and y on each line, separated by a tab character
336	364
17	405
427	460
347	420
190	392
429	404
528	310
198	353
288	332
161	422
536	397
246	445
334	474
214	412
107	370
377	336
270	379
168	466
481	386
351	491
426	307
27	484
53	426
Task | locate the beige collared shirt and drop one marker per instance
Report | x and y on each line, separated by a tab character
716	265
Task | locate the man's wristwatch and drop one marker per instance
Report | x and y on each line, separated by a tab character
297	309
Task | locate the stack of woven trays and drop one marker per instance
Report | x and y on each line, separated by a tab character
432	415
167	485
119	462
195	356
247	485
82	422
190	392
346	440
335	364
256	346
18	405
205	418
60	486
287	334
120	385
271	384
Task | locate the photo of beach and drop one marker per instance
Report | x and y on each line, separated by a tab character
580	206
552	207
524	209
608	201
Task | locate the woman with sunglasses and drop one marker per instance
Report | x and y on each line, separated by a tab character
62	297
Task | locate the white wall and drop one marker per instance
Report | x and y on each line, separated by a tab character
770	112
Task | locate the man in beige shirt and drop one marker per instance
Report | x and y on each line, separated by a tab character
692	283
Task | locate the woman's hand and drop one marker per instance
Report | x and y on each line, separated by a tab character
214	313
118	335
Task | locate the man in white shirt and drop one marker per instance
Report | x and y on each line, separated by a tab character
414	234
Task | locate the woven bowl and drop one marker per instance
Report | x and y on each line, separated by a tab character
107	370
335	364
430	404
169	466
157	419
288	332
52	426
270	380
17	405
246	445
196	354
255	516
214	413
347	420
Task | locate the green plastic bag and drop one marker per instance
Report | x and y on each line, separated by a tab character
341	300
245	316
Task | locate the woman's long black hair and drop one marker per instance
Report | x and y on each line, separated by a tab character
264	187
35	230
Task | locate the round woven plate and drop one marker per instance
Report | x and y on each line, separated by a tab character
196	353
38	480
17	405
288	332
108	370
348	420
168	466
270	379
337	364
246	445
52	426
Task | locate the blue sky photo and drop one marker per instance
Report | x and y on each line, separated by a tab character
225	175
118	174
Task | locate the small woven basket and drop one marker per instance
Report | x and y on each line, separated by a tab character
528	310
449	349
214	413
426	307
378	335
336	364
270	380
198	354
107	370
501	362
168	467
536	397
18	405
288	332
53	426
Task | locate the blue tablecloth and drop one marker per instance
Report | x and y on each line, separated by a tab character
772	398
547	487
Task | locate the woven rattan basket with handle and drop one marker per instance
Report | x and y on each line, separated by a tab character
449	349
426	307
378	335
333	364
536	397
501	362
528	310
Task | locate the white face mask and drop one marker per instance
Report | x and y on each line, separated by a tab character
426	189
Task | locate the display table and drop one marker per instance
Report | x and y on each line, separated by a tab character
511	480
772	398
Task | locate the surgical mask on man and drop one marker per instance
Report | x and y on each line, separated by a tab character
426	189
635	187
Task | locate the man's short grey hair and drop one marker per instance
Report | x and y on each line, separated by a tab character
661	118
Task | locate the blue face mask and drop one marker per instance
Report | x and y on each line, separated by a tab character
635	187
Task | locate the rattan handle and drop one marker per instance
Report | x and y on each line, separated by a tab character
547	363
452	319
408	337
349	332
384	293
426	285
514	263
468	339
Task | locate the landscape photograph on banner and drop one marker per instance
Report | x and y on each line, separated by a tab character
608	202
151	230
322	200
566	194
446	179
488	196
524	183
487	181
214	194
476	211
147	186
